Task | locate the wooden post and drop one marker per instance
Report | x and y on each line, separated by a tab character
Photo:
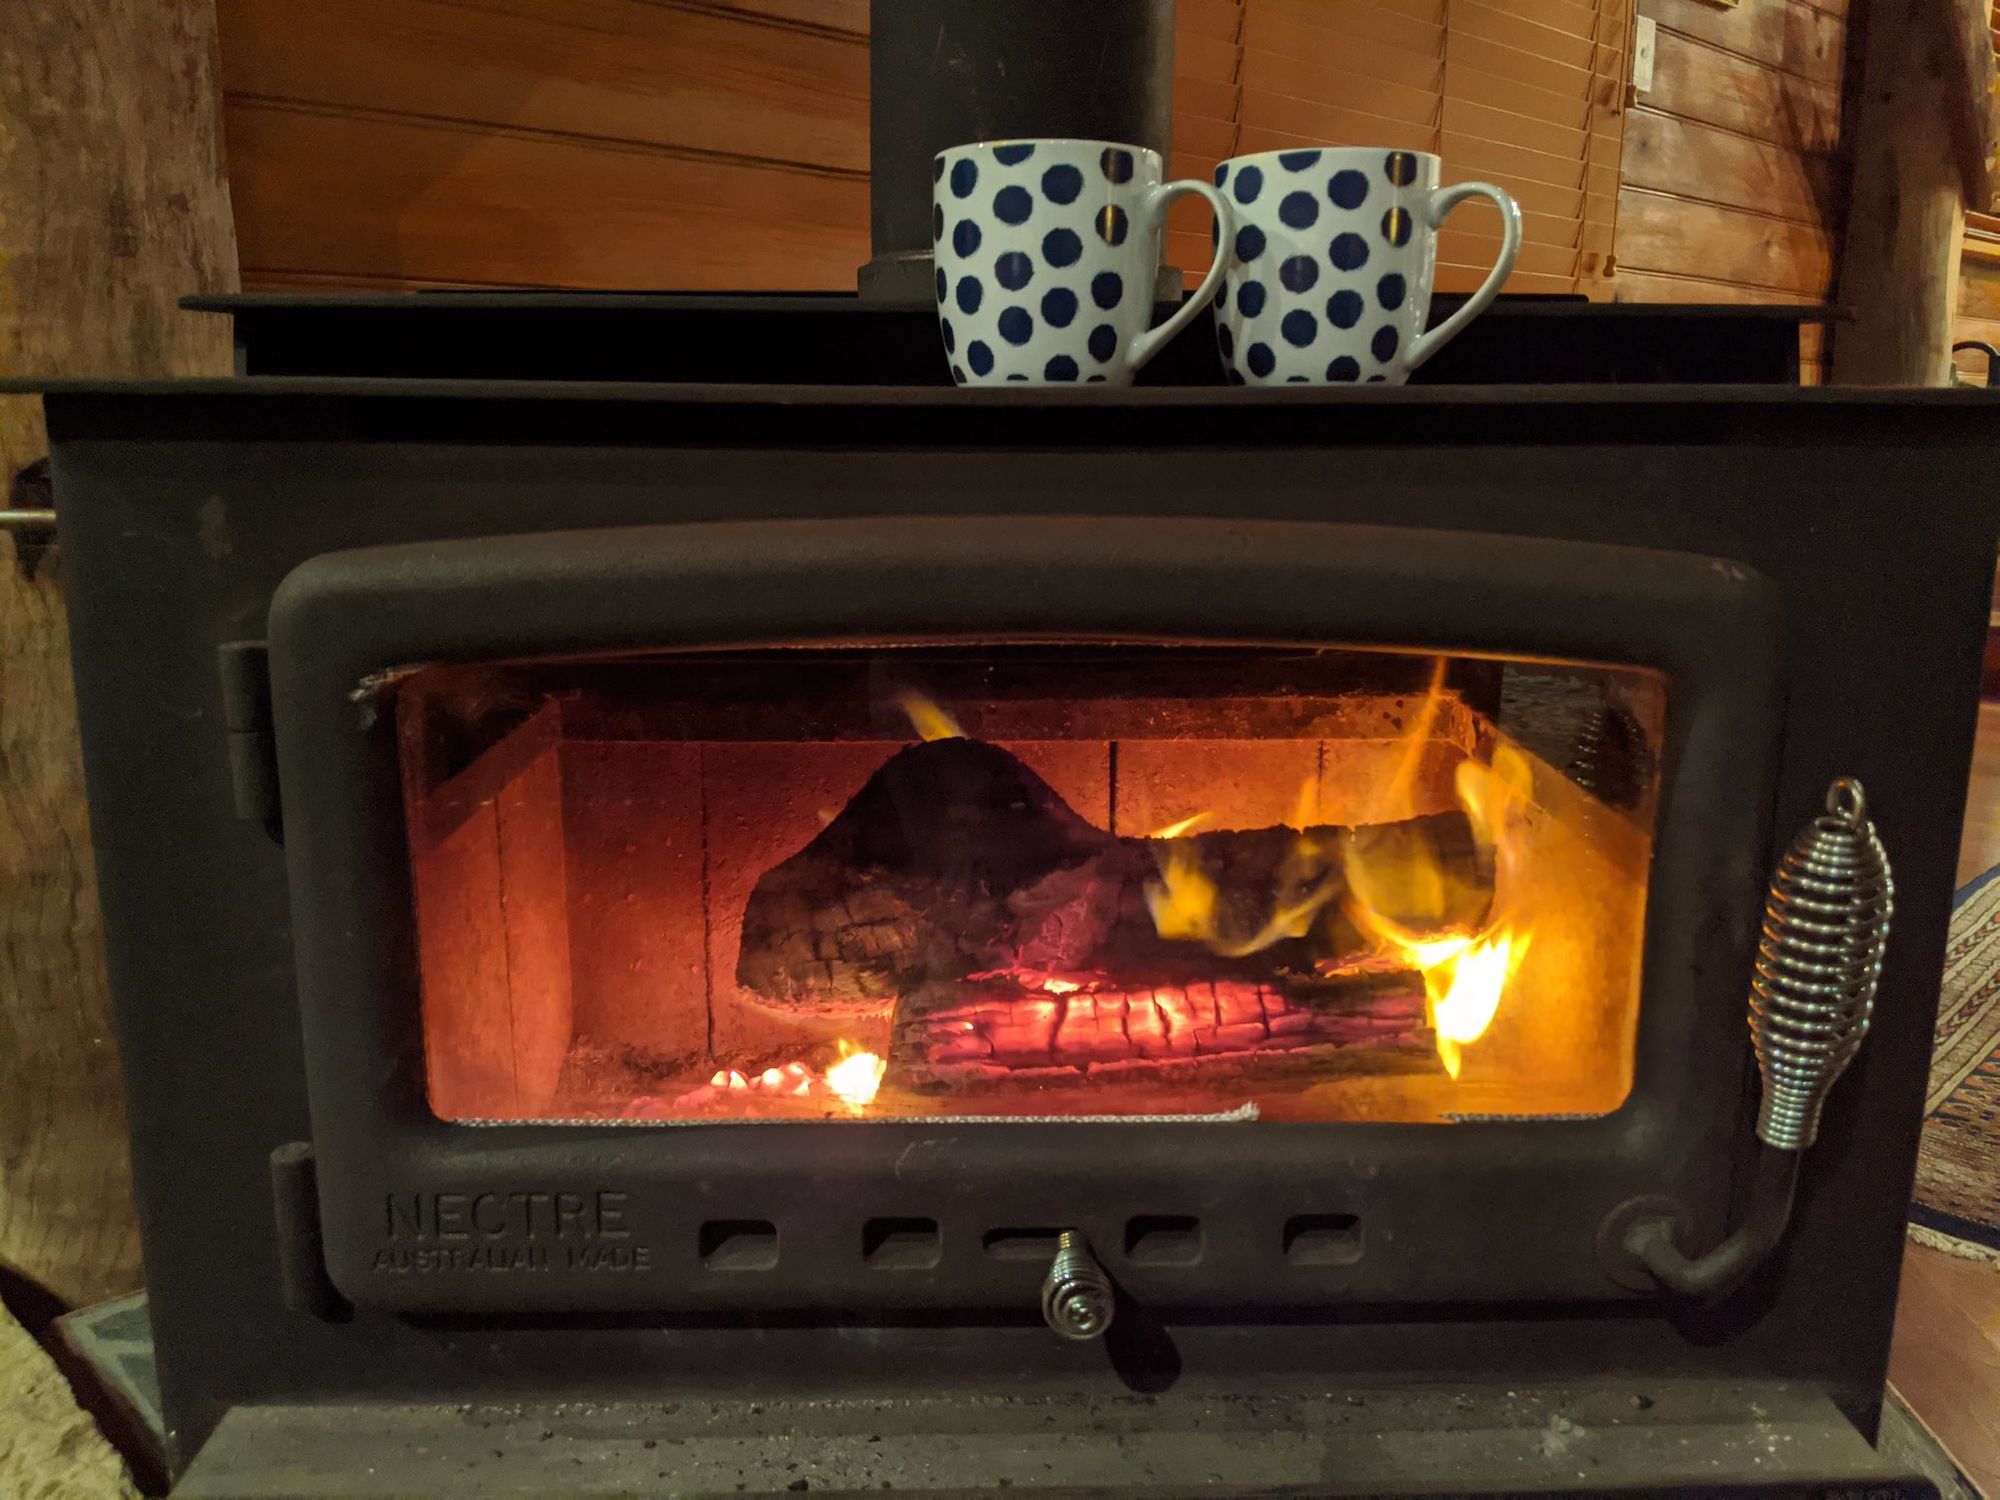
113	205
1922	144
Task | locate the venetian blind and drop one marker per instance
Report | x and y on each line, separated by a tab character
1528	94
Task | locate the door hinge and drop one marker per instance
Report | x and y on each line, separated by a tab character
253	749
303	1282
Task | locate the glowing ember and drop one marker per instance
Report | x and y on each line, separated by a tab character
1061	986
1175	830
851	1082
929	720
856	1078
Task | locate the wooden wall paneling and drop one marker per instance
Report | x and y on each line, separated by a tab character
1661	233
1698	81
1657	286
1691	160
1978	305
360	195
113	205
1979	288
1787	34
1732	173
548	142
603	69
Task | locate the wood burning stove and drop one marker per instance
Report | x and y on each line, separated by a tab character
760	864
658	882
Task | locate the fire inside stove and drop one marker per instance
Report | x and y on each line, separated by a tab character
1066	881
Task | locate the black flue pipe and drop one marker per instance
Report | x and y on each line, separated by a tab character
945	72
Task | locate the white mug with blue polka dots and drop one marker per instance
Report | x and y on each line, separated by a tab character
1047	254
1332	261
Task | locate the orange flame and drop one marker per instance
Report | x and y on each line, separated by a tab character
856	1078
1464	976
1182	902
928	719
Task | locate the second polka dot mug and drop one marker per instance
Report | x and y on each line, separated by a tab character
1047	253
1331	263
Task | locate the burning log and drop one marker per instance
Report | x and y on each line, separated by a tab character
957	875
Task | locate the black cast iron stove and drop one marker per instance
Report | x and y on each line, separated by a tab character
673	937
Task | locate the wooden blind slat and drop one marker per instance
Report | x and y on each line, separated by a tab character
1356	92
1453	278
1556	79
1218	20
1464	81
1487	160
1333	20
1467	249
1205	57
1528	94
1470	18
1314	48
1574	17
1468	118
1479	218
1208	97
1352	130
1197	136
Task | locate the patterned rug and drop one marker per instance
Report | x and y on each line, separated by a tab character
1958	1166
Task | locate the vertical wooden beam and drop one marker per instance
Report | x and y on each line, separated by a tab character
113	204
1921	147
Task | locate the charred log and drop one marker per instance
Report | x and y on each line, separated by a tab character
956	861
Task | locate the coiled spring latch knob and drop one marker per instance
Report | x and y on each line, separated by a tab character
1826	922
1077	1300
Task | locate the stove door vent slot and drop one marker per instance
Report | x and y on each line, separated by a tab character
1021	1244
1322	1239
1163	1240
738	1244
901	1244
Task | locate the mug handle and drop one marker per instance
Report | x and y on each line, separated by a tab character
1442	202
1146	345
